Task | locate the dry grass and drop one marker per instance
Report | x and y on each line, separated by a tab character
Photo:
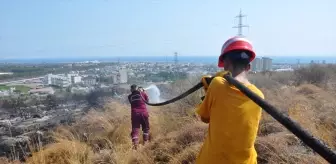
4	160
281	148
104	137
177	135
63	152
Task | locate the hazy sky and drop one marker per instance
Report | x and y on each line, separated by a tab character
72	28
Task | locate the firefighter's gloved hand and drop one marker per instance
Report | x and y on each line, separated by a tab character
201	101
206	80
141	89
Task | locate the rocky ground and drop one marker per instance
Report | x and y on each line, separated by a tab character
18	135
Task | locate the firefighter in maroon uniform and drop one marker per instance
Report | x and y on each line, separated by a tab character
139	115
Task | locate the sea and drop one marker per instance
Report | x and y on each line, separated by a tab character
169	59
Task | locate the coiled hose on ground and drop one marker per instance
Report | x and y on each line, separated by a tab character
324	151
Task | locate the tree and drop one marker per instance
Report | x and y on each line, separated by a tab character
68	89
19	105
92	98
8	104
77	99
314	74
34	101
51	102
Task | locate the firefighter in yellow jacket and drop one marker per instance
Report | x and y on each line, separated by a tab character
233	118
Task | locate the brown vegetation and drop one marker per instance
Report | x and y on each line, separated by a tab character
177	135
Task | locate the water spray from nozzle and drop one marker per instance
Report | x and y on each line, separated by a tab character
153	93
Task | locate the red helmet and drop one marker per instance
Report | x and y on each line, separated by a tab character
236	43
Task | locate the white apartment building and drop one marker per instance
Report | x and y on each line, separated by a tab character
48	90
115	78
57	80
261	64
256	65
76	79
89	81
267	64
123	76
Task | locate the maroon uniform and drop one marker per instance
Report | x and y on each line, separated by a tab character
139	116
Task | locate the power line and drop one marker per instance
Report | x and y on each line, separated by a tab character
175	58
240	24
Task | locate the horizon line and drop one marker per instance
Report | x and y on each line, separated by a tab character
172	56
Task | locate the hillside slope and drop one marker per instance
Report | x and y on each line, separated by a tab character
177	133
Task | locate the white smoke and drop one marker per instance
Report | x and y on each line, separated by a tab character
153	93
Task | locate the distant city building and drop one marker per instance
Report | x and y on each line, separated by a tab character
60	81
123	76
115	79
298	65
284	70
267	64
71	74
140	75
4	93
76	79
80	90
12	89
48	90
7	92
57	80
257	65
261	64
6	73
89	81
47	79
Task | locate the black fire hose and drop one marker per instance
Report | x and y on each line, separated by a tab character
291	125
181	96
